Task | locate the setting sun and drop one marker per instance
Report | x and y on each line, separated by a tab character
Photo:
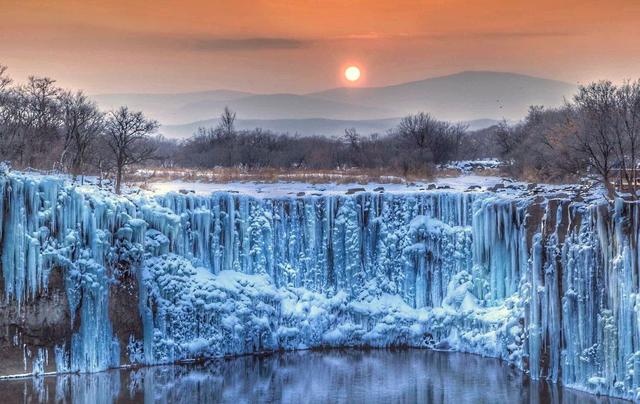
352	73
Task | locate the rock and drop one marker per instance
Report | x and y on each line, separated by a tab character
352	191
443	345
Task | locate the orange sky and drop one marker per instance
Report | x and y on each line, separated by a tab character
298	46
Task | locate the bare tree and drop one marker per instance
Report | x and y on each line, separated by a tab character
5	109
128	138
506	139
5	80
419	129
82	123
12	125
595	107
226	124
101	157
627	131
38	98
352	138
441	139
449	145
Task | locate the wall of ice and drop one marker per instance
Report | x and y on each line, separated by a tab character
546	283
229	274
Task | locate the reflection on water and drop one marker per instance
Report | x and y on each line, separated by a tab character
336	376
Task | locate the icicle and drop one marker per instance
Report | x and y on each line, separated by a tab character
549	285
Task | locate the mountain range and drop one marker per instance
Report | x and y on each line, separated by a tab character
478	97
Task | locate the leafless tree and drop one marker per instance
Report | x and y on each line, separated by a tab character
352	138
506	139
449	145
226	124
595	110
441	139
39	118
542	146
128	136
6	112
627	131
101	157
5	80
82	123
419	129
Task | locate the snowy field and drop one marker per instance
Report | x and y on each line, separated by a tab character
276	189
462	183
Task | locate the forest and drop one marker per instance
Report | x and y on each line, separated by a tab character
595	134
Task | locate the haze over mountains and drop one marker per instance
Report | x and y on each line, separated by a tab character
308	127
478	97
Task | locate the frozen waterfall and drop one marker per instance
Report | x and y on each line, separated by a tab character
546	283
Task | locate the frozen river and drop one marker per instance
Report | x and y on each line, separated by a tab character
335	376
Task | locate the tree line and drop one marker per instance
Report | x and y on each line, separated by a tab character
596	133
419	142
43	126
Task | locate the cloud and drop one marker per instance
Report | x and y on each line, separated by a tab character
213	44
500	35
366	36
452	36
87	36
93	36
226	44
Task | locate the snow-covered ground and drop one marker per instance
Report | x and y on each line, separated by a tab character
462	183
467	166
277	189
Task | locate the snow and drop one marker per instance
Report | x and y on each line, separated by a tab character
467	166
284	189
232	313
508	270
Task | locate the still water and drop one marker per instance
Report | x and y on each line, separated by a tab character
335	376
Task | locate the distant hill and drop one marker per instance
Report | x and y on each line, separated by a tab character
306	127
166	107
282	106
465	96
190	107
461	96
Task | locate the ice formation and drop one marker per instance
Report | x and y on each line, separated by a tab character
545	282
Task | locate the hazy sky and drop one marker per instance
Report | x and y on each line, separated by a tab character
301	45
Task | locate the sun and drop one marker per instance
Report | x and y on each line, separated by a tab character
352	73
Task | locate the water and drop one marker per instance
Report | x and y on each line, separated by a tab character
335	376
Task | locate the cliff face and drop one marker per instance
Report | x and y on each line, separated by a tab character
90	281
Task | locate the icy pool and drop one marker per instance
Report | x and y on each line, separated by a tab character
335	376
